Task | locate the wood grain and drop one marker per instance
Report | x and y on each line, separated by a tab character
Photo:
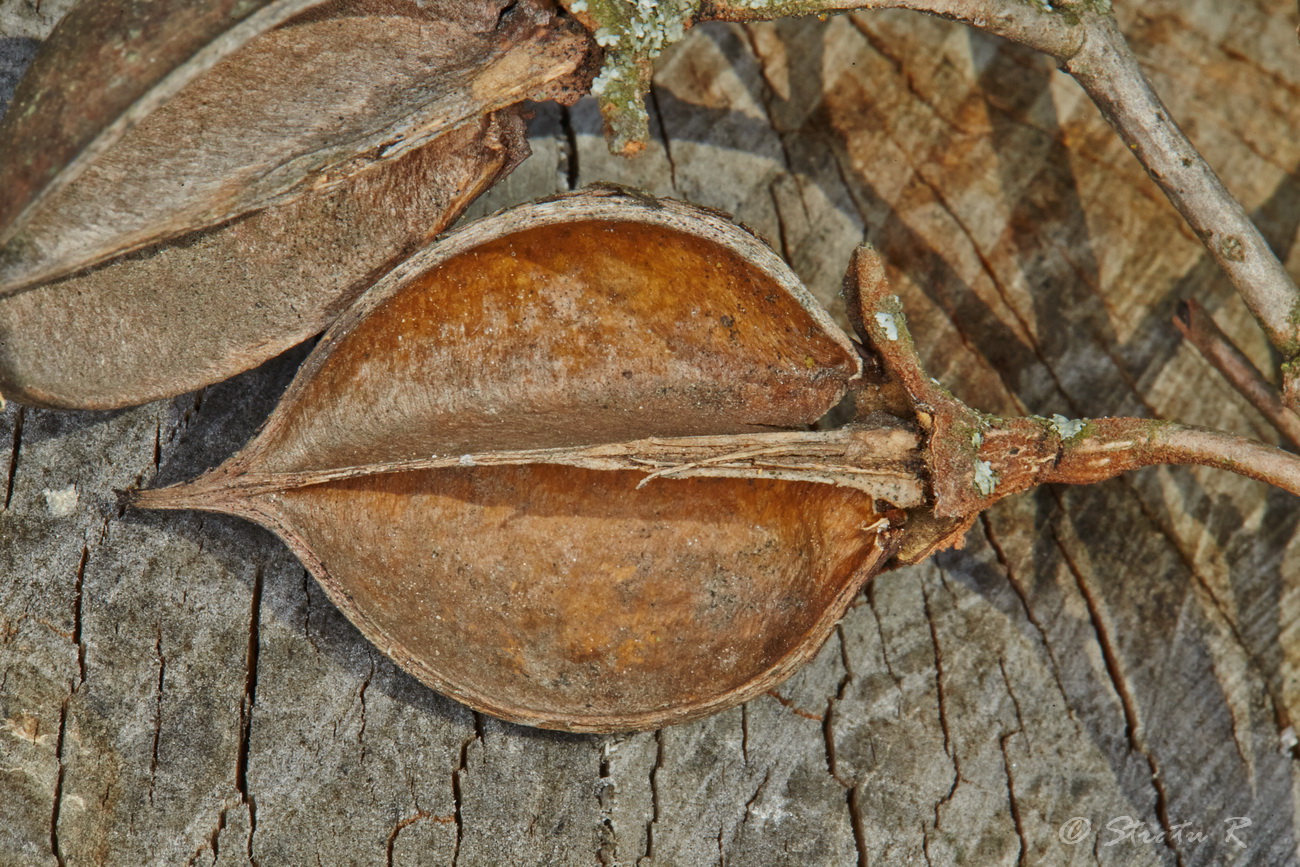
175	690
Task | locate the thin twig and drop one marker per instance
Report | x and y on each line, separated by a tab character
1087	43
1118	445
1106	68
1016	20
1203	333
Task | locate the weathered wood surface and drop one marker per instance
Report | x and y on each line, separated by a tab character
174	689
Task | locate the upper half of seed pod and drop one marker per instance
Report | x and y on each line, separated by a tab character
595	317
139	122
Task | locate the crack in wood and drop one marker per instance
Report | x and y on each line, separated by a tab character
1117	363
157	716
753	799
856	822
76	639
858	825
457	796
157	446
1016	820
1007	765
656	805
607	852
306	610
949	746
15	449
361	699
880	636
760	59
570	148
1023	596
767	96
782	238
246	708
902	69
78	593
653	102
790	705
404	823
744	733
1015	702
1114	670
828	718
56	846
213	844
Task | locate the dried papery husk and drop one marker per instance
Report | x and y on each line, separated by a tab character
317	153
566	598
202	308
541	466
590	318
557	464
185	121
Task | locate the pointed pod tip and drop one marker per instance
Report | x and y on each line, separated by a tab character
125	499
171	497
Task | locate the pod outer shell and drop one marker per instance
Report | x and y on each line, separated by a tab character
556	595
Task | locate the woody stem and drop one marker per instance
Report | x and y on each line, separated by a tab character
1201	331
1116	445
1106	68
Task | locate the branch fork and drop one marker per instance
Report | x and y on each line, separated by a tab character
1085	40
974	459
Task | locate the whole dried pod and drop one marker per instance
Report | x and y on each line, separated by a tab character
189	191
558	465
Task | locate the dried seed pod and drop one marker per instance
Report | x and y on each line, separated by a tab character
488	463
202	308
553	464
259	163
139	122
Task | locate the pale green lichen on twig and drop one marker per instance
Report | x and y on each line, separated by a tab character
986	481
1067	428
632	33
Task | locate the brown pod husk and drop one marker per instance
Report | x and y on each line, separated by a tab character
557	465
200	309
537	465
232	148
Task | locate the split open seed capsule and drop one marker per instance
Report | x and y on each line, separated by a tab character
189	189
558	466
